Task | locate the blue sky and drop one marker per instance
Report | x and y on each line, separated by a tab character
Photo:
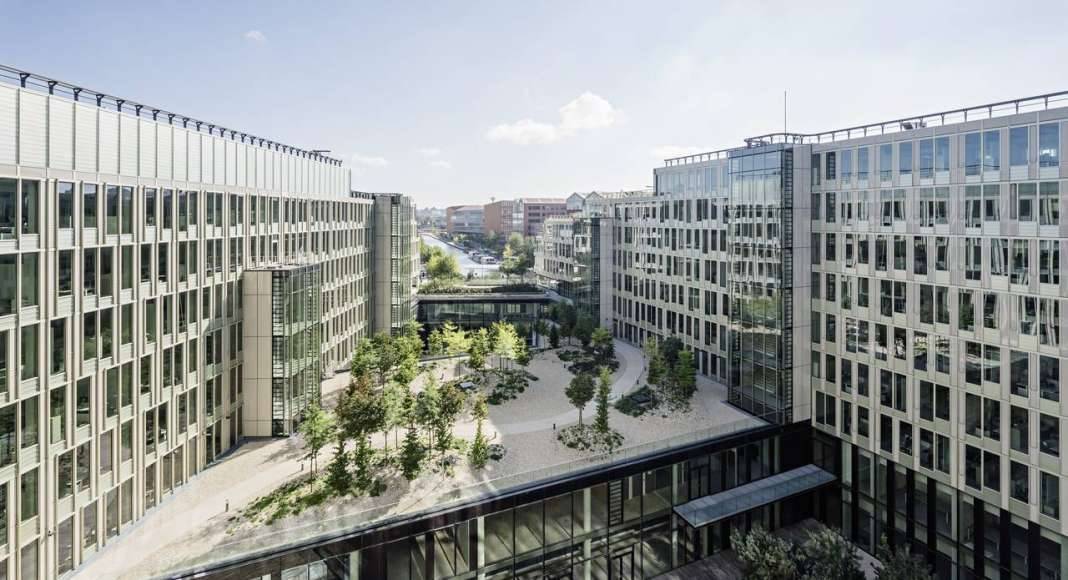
458	102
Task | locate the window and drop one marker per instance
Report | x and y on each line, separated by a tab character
991	150
30	206
29	494
111	208
1049	434
1049	262
1018	420
65	204
973	202
65	474
1022	201
127	209
150	206
82	407
863	164
1049	145
1049	208
106	451
991	471
1049	374
1051	496
8	441
1018	146
927	158
65	268
30	282
8	205
89	205
831	166
57	414
28	348
972	154
1018	488
904	158
991	203
886	161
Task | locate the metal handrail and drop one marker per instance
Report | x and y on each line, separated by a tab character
942	118
28	80
262	543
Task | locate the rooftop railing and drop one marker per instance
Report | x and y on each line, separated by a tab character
36	82
263	543
942	118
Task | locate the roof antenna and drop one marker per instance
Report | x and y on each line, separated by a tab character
784	112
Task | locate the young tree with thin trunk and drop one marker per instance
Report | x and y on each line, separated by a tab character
604	386
318	430
580	392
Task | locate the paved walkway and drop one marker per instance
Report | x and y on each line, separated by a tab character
631	368
256	468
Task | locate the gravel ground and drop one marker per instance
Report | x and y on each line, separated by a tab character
190	528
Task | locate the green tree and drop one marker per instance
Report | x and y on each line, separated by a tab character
479	452
338	476
829	556
318	430
364	359
456	339
670	349
393	406
426	407
522	354
604	386
584	328
685	376
601	342
900	564
451	402
477	349
764	556
443	267
654	362
412	454
360	412
566	319
580	392
505	342
554	337
435	342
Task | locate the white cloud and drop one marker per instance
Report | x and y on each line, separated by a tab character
255	36
428	151
524	132
585	112
672	151
369	161
588	111
441	164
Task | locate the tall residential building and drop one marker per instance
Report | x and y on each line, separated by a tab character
143	254
464	219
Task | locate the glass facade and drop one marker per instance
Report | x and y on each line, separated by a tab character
760	241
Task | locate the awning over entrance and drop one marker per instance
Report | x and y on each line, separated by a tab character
713	508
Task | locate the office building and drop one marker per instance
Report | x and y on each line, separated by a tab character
464	219
502	217
396	261
535	210
137	249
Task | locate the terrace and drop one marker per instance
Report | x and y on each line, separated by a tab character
202	524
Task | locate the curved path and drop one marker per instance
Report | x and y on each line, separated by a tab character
631	367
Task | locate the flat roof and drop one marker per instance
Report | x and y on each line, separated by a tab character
713	508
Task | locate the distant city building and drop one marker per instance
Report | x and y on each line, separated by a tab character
535	210
464	219
502	217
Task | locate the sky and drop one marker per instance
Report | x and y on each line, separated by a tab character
464	101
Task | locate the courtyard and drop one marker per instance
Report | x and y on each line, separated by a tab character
203	522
